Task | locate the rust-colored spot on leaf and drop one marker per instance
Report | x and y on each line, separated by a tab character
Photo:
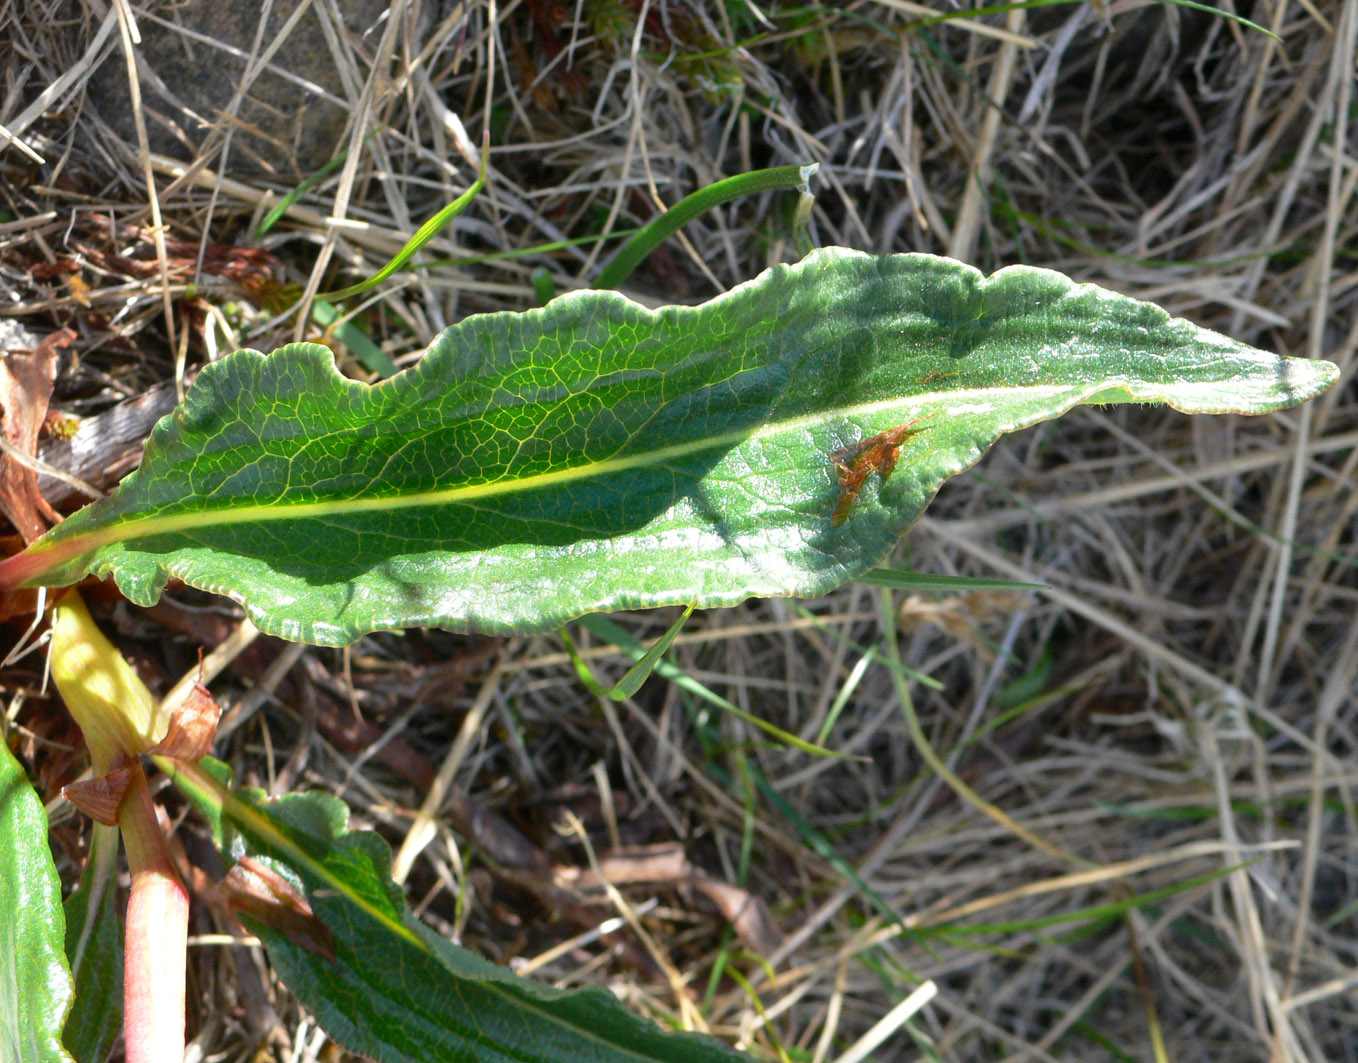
877	454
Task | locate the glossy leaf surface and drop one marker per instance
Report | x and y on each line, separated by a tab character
392	989
595	455
35	983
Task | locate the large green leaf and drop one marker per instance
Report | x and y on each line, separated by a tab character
35	983
596	455
94	946
393	989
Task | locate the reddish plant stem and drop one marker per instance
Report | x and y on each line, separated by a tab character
156	935
28	565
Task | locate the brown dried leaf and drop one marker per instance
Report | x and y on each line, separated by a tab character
101	797
25	389
193	728
662	863
747	914
667	863
257	892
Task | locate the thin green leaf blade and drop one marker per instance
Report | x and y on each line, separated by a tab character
637	675
423	235
94	946
915	582
35	982
395	990
372	356
620	637
594	455
661	228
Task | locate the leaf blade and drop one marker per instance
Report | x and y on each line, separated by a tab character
35	981
394	989
593	455
94	946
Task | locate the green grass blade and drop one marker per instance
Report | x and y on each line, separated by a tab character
423	235
896	580
369	354
630	683
1114	909
610	631
1024	5
307	184
661	228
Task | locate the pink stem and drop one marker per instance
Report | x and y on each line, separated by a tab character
28	566
156	936
18	569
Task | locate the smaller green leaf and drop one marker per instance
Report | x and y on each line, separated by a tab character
896	580
544	287
423	235
35	983
94	945
369	354
210	808
661	228
1032	684
630	683
397	991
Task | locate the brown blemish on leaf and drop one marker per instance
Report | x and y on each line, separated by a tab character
877	454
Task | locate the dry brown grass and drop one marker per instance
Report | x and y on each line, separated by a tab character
1190	719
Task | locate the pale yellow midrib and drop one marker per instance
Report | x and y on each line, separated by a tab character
135	527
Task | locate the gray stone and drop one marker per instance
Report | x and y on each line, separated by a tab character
187	83
16	336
